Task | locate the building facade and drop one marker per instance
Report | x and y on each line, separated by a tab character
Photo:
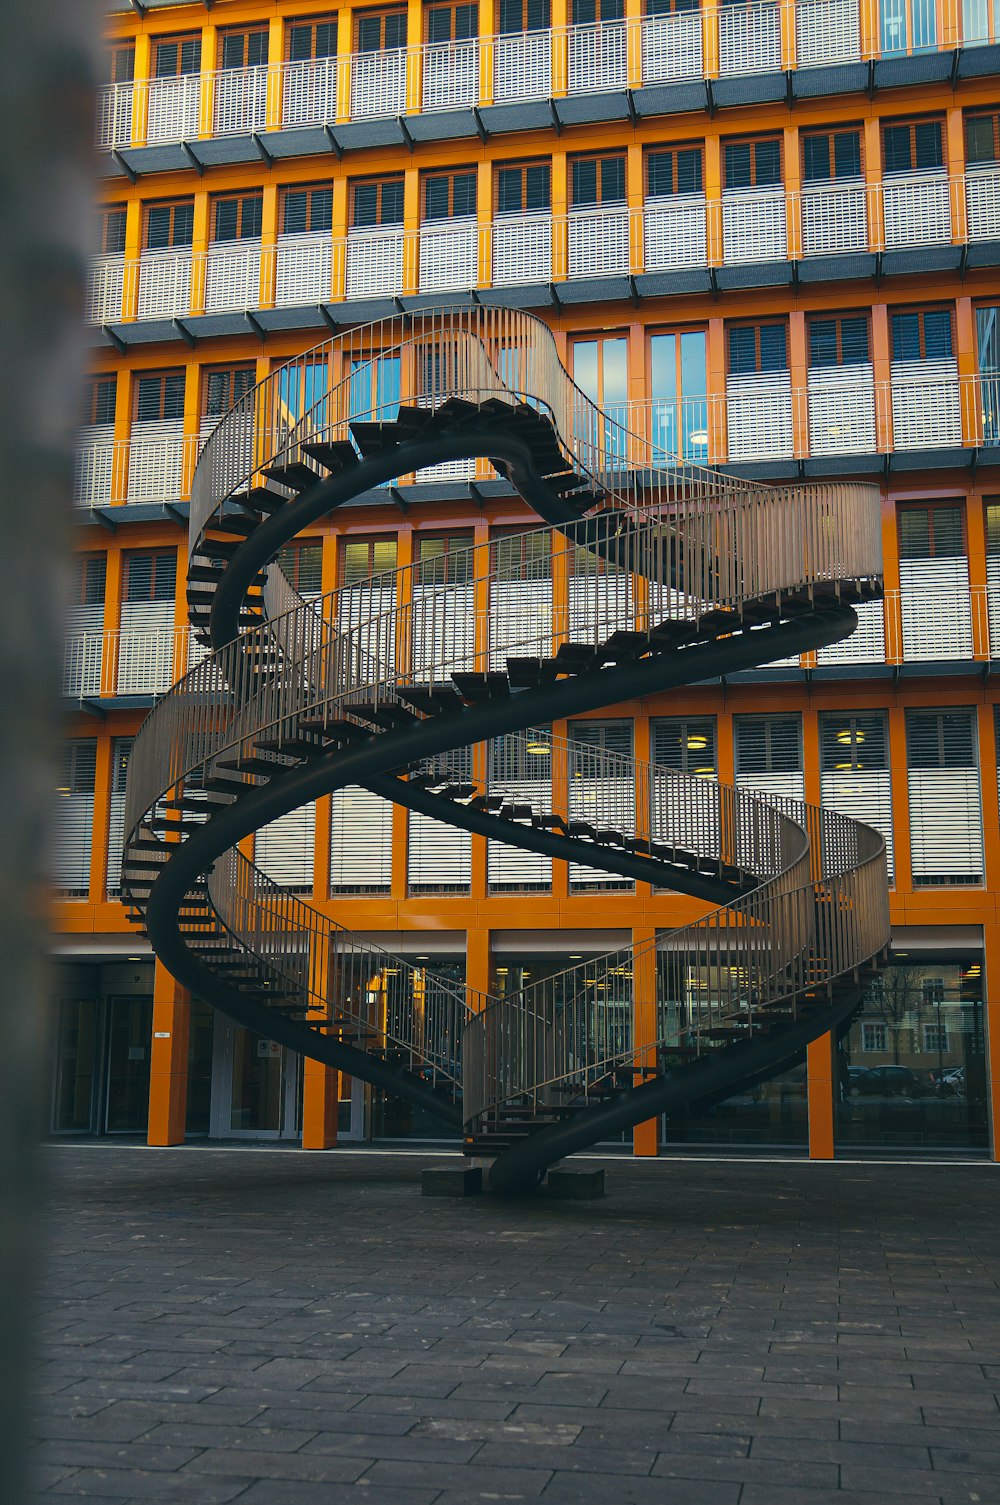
766	237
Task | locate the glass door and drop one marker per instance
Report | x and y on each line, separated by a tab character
75	1066
130	1026
255	1089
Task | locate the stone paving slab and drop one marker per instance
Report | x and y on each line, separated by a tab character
279	1328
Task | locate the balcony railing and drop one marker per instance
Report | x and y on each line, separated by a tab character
685	231
154	466
130	661
725	42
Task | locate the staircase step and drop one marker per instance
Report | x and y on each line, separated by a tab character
432	700
297	476
336	456
482	686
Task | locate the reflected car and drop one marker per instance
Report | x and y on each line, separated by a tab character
892	1081
855	1079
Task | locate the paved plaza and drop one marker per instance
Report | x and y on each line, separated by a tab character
281	1328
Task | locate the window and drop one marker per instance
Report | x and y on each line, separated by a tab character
311	39
100	402
79	766
169	225
112	231
768	744
243	48
831	154
849	743
306	209
935	1038
841	341
451	21
516	16
940	739
90	572
449	195
678	386
597	180
874	1038
988	346
159	395
687	744
522	556
753	164
237	216
600	370
174	56
446	560
379	30
224	387
757	348
932	532
908	26
678	170
375	387
121	63
379	202
364	557
149	575
670	7
922	335
588	12
302	565
982	137
912	146
523	188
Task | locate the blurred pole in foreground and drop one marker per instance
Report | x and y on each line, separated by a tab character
46	135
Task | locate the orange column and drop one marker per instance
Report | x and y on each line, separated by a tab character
168	1062
275	58
477	963
133	250
559	19
320	1083
990	793
900	800
793	189
968	368
716	391
141	69
713	199
560	209
345	41
798	367
955	158
645	1135
112	620
99	830
976	535
873	182
820	1063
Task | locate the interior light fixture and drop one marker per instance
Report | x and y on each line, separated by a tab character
697	741
540	749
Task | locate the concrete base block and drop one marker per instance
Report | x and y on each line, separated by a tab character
449	1181
576	1185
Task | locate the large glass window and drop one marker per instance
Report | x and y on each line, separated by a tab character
912	146
678	384
380	30
757	348
600	370
912	1068
988	346
908	26
922	335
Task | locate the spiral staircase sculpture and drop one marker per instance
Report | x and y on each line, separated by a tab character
691	574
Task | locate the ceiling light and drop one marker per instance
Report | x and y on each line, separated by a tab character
697	741
539	749
699	437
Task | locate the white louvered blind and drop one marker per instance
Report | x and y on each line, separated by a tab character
598	243
85	629
449	256
769	754
926	404
827	31
522	66
374	262
982	201
520	597
754	225
597	58
519	768
936	609
993	575
285	849
600	599
303	272
674	232
750	38
759	414
164	284
146	637
865	645
74	817
232	276
156	461
360	842
834	217
917	208
842	409
946	818
439	856
600	791
121	751
522	249
854	770
94	469
672	47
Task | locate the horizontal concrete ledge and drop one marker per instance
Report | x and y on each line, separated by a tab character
575	1183
452	1181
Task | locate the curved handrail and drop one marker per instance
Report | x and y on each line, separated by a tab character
679	547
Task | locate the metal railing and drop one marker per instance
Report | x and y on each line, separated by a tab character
721	42
690	542
112	472
664	234
126	661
